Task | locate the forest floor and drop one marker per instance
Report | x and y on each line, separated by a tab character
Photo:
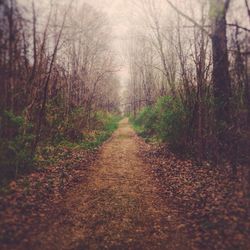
132	196
117	206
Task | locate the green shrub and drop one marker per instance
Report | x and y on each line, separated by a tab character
146	121
171	122
15	147
167	120
16	138
59	128
105	124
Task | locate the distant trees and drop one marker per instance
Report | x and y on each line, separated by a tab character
201	59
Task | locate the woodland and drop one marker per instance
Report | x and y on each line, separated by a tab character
54	83
72	126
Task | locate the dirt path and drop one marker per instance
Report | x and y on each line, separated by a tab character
116	208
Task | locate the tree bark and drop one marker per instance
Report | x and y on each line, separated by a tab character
221	78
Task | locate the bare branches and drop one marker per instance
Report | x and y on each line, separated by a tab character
188	18
248	8
47	80
226	5
238	26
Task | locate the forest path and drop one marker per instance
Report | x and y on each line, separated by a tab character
118	207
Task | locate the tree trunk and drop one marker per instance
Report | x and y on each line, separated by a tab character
221	78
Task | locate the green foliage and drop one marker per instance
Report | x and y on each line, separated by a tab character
58	133
14	121
74	125
59	127
105	124
109	125
15	147
166	120
72	128
171	122
147	120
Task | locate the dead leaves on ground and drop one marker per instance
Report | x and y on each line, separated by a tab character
32	198
213	207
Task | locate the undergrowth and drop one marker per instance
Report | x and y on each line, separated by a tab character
92	139
164	121
59	141
105	125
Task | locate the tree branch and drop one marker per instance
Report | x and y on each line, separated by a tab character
238	26
188	18
248	8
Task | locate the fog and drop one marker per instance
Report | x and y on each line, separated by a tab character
129	16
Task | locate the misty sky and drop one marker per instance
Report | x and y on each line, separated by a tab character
121	12
121	18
